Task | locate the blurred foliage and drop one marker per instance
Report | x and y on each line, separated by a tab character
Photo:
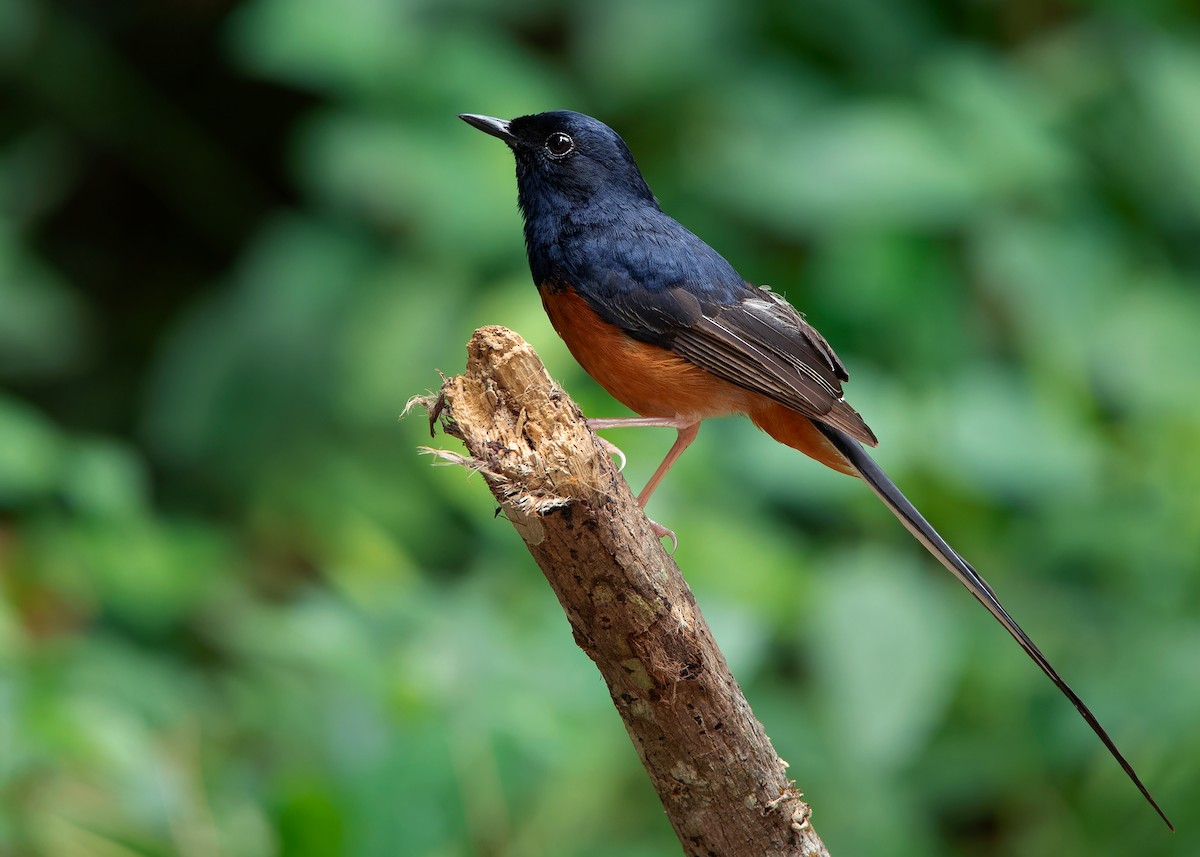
241	615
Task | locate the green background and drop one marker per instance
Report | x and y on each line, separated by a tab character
241	615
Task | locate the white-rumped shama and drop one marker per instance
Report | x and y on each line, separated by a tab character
671	330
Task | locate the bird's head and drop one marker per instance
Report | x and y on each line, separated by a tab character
567	160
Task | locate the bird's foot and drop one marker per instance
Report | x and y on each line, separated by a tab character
613	450
663	533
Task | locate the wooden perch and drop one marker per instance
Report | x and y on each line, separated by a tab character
719	778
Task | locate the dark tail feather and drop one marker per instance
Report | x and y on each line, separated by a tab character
916	524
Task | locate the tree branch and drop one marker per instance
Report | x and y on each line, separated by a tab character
714	768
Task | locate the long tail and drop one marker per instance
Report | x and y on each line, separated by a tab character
916	524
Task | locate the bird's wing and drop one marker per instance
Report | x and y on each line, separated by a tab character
762	343
747	336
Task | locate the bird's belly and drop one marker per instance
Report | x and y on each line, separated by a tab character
649	380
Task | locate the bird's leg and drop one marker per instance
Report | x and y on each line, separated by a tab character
637	422
683	440
687	432
629	422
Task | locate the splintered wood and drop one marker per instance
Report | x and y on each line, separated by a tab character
526	437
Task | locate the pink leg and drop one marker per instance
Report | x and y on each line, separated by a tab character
638	422
630	422
687	432
686	435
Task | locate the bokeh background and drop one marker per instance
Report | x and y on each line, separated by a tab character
241	615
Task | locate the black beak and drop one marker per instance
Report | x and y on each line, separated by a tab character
489	125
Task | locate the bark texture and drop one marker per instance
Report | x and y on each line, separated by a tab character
720	780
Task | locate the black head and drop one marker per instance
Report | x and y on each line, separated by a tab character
567	160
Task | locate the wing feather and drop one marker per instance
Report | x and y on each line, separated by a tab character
751	337
762	343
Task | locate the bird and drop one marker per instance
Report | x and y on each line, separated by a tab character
671	330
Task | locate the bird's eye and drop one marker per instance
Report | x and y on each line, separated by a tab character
559	145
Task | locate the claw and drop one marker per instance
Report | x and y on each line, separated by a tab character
613	450
663	533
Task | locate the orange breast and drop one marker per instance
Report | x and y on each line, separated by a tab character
650	380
